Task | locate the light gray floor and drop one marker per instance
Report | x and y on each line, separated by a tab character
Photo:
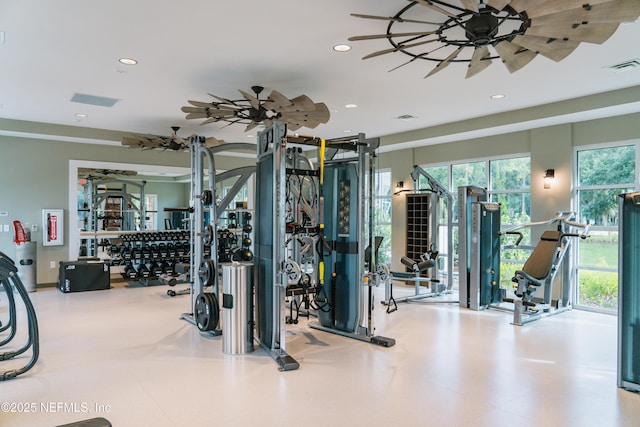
125	355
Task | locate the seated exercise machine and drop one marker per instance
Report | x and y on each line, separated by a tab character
549	257
9	279
435	198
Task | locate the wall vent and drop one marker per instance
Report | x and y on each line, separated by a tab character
100	101
623	67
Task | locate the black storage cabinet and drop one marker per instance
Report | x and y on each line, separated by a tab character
78	276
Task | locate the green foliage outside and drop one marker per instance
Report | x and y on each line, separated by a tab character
598	289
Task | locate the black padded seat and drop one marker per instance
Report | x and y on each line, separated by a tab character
538	267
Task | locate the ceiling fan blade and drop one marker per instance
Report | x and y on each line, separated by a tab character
613	11
222	100
443	64
300	103
392	18
395	49
520	5
251	126
322	112
384	36
432	6
497	4
590	33
554	49
548	7
199	104
211	142
191	116
187	109
276	101
253	101
479	61
211	120
514	56
471	5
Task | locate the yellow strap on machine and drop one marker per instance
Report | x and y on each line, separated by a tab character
321	271
322	146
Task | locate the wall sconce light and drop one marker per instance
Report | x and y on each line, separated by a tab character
549	176
400	185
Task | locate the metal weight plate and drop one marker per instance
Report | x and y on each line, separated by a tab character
207	312
207	238
207	198
207	272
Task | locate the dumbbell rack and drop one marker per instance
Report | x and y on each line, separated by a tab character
147	255
234	241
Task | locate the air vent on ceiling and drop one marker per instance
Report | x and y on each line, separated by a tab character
100	101
406	117
623	67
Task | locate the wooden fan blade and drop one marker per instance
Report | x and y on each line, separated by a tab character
211	142
384	36
514	57
253	101
251	126
276	101
479	61
187	109
300	103
293	126
497	4
548	7
199	103
322	112
223	100
610	12
443	64
590	33
392	18
471	5
191	116
395	49
211	120
554	49
432	6
520	5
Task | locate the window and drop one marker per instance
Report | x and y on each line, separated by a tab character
382	214
602	174
508	183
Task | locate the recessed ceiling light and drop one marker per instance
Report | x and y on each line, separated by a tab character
342	48
249	136
498	96
128	61
350	106
80	116
347	131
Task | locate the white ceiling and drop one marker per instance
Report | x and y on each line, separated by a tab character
187	48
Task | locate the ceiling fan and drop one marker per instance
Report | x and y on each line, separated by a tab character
463	31
298	112
173	142
90	173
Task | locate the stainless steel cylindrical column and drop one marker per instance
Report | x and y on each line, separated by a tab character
237	307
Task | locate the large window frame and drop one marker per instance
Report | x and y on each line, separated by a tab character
382	221
597	230
435	169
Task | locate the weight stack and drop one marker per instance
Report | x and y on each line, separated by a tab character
237	308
